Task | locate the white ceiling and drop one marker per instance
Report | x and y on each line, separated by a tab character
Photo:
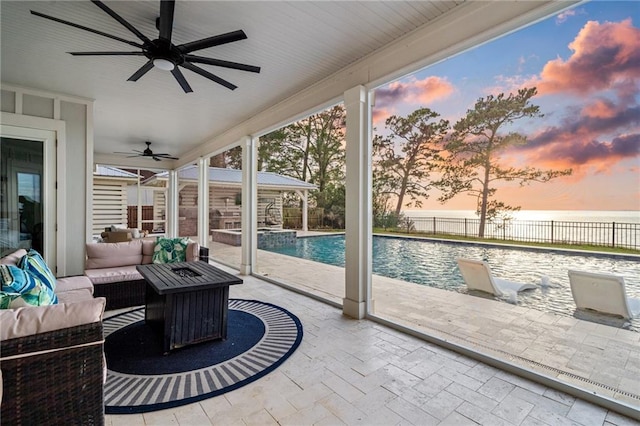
295	43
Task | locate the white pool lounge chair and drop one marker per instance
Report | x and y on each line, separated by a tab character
478	276
603	293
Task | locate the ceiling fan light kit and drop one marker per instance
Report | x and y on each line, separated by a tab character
163	64
161	52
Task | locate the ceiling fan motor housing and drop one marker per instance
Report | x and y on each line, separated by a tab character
163	49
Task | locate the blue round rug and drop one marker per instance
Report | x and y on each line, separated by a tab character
260	336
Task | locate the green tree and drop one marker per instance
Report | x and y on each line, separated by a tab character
312	150
322	136
473	162
270	154
404	159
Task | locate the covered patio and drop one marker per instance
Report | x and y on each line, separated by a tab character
359	363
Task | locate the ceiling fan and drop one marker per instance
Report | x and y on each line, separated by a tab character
161	52
148	153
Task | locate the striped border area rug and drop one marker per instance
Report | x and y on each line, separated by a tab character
127	393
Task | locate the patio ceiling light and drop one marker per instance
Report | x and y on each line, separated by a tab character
163	64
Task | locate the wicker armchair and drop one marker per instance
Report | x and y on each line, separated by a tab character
52	376
63	386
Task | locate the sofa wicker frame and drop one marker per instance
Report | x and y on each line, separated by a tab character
53	378
121	294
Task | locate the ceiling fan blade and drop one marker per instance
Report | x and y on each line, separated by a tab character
220	63
166	19
142	71
167	156
212	41
82	27
155	158
106	53
128	152
208	75
121	20
181	80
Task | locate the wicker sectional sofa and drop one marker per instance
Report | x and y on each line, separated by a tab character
111	267
51	357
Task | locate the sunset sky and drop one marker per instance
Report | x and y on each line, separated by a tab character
585	63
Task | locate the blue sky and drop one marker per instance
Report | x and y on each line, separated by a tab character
586	65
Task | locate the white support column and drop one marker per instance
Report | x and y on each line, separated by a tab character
203	202
304	196
249	204
139	202
172	205
305	210
358	204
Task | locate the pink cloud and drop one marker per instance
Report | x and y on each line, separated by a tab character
430	89
601	108
379	115
420	92
595	137
603	55
583	154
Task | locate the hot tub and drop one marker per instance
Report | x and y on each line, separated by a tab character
267	237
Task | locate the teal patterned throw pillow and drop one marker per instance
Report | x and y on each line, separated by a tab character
35	265
19	288
170	250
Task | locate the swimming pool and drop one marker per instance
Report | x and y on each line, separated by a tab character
433	263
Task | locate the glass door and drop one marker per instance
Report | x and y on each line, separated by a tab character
27	192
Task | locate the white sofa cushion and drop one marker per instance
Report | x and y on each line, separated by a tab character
112	275
73	283
40	319
109	255
75	296
147	251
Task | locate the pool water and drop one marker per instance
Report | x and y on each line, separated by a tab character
433	263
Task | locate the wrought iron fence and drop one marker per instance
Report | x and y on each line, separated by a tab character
609	234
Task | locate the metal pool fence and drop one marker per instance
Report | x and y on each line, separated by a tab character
609	234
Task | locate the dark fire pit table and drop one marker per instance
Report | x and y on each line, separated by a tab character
187	302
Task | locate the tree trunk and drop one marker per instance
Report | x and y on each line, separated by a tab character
483	205
403	191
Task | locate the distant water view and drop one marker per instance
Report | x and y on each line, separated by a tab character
574	227
622	216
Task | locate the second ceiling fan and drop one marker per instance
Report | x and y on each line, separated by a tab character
161	52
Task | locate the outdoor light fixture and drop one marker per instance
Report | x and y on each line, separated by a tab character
163	64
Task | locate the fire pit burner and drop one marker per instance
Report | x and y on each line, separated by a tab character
185	272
